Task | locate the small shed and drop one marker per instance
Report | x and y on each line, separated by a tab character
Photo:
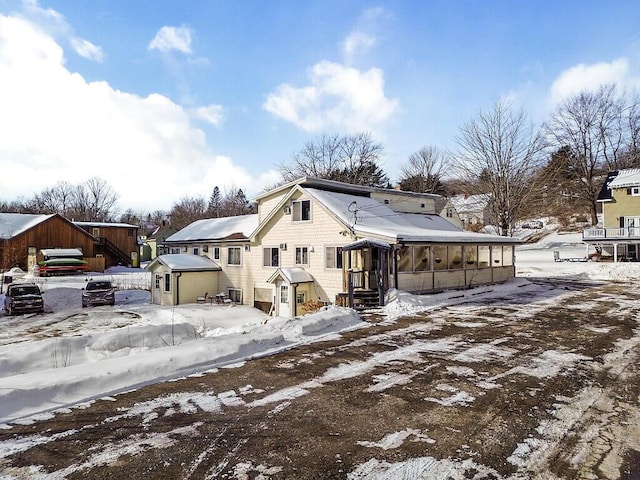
292	288
178	279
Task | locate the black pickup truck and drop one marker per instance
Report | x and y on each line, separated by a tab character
22	298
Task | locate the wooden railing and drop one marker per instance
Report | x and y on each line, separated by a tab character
598	233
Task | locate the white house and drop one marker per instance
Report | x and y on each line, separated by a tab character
325	241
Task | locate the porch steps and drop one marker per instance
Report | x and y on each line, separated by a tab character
362	299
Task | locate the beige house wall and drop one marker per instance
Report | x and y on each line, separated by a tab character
405	203
191	285
623	205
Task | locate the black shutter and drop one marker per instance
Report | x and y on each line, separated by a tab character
621	222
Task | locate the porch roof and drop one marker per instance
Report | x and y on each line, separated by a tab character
292	275
366	243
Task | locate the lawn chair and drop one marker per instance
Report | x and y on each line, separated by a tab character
202	298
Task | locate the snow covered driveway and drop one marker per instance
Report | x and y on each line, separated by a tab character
541	380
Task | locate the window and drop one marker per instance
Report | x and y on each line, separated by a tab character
422	260
507	255
158	281
301	297
216	253
483	256
235	295
95	232
333	257
449	212
175	249
196	251
405	260
440	259
234	256
635	191
167	282
129	232
271	257
496	255
455	257
284	294
302	255
302	211
471	256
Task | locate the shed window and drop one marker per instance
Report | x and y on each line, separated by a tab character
216	253
167	282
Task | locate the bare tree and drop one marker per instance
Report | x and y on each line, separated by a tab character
500	150
352	158
424	171
186	211
595	127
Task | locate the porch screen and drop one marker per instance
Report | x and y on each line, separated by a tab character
421	258
405	259
471	256
440	259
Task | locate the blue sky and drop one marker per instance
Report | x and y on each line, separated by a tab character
169	99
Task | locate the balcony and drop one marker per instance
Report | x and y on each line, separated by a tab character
596	234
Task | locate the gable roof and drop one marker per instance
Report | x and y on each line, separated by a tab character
13	224
291	275
179	262
618	179
366	216
209	229
470	203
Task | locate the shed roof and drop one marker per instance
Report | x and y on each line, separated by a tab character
179	262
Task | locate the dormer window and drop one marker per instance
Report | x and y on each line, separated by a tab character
301	210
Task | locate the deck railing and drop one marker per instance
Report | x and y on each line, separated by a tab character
599	233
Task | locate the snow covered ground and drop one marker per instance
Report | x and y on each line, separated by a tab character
72	355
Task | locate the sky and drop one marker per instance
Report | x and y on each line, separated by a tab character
166	100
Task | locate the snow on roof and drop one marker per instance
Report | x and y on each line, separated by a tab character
12	224
366	243
61	252
105	224
470	203
626	178
367	216
216	228
292	275
185	262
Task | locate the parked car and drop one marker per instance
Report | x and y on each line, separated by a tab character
98	292
537	224
23	298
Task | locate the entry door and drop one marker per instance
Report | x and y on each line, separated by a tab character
284	299
633	224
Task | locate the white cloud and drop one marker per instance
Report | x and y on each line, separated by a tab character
357	43
57	126
172	38
338	97
86	49
590	77
212	114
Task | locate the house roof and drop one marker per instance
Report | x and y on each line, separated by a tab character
470	203
105	224
179	262
626	178
368	217
209	229
291	275
13	224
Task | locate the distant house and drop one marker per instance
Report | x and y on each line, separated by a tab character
473	210
177	279
118	243
447	210
149	242
316	240
619	234
22	236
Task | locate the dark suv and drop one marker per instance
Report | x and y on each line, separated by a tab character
22	298
98	292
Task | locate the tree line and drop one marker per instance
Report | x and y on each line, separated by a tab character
550	169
